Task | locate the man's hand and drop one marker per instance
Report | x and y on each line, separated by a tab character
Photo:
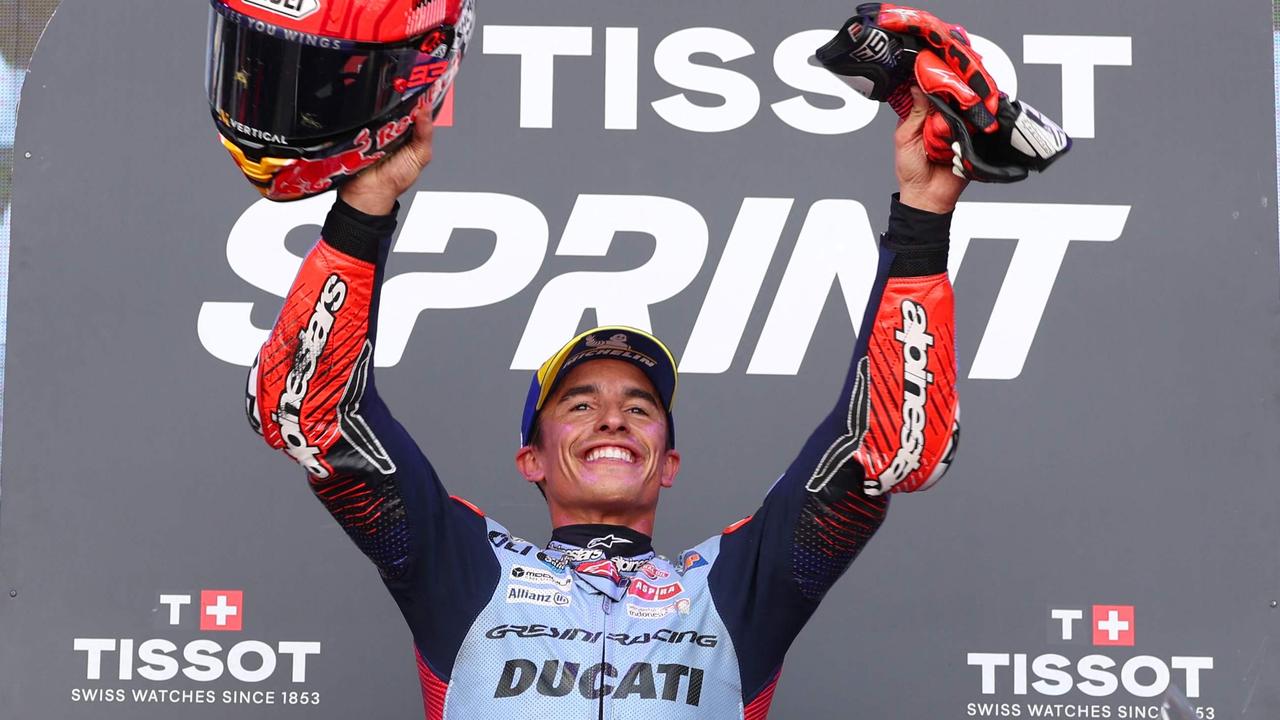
375	190
923	184
975	128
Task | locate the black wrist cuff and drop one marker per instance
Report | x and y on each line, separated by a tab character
919	240
358	233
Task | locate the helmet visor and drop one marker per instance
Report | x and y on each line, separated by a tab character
280	87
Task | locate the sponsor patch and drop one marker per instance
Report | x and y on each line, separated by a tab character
689	561
539	576
653	572
641	612
534	596
600	568
653	593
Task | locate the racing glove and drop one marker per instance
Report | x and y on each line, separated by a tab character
977	129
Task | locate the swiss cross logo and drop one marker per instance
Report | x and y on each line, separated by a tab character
222	610
1113	625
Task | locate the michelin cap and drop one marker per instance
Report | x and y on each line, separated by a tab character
611	342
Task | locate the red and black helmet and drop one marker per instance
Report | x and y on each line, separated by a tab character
306	93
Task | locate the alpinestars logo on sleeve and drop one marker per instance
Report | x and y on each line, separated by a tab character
916	379
311	342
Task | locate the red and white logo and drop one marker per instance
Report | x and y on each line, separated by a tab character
603	567
1113	625
653	572
643	590
222	610
296	9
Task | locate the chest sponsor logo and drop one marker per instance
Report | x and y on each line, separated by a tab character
668	636
641	681
629	565
653	572
642	612
600	568
534	596
653	593
538	576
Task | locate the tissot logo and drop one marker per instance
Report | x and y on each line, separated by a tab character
273	671
1103	666
296	9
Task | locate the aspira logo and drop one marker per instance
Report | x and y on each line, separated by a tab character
835	246
1104	667
270	673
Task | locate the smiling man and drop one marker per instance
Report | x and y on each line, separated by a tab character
596	624
597	435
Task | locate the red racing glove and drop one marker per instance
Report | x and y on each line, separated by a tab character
976	129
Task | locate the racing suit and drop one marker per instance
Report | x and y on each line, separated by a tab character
596	625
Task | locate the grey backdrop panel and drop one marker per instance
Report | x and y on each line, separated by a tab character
1131	462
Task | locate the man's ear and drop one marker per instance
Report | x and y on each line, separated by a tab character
670	468
529	464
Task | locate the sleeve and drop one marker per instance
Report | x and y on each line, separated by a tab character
311	394
893	428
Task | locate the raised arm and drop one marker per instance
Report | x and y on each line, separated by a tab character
311	394
893	428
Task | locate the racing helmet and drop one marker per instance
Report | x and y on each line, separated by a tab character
307	93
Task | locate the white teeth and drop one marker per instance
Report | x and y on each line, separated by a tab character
609	452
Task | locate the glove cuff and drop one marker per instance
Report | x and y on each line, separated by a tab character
358	233
919	240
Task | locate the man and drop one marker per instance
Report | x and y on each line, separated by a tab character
596	624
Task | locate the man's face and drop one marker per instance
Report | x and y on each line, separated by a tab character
601	453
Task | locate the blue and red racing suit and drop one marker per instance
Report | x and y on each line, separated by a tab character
596	625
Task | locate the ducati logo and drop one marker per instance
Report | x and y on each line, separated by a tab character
296	9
